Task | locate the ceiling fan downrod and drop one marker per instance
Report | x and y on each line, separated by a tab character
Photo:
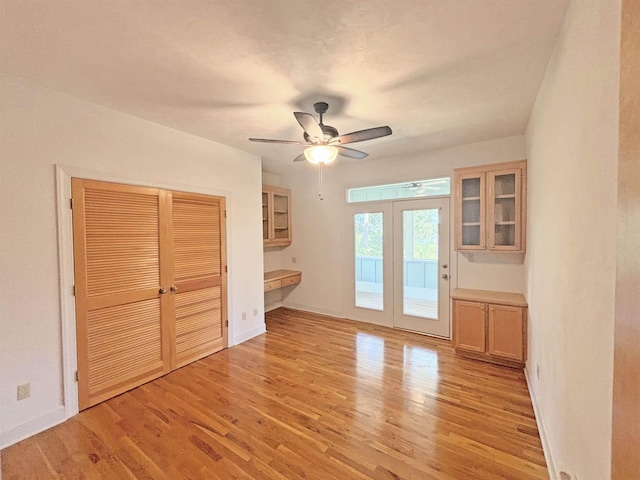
321	108
320	183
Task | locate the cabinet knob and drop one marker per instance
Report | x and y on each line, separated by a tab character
162	291
445	276
173	288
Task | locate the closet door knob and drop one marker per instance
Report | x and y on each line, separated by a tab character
162	291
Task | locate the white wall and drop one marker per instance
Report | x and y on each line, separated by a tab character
318	226
572	143
40	128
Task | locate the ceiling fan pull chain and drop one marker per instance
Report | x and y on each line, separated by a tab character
320	184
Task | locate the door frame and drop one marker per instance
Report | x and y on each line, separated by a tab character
364	314
444	284
66	279
383	318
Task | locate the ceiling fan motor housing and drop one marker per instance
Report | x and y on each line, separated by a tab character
328	131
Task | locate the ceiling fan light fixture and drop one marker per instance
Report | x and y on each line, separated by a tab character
321	154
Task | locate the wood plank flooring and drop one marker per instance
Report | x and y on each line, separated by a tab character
313	398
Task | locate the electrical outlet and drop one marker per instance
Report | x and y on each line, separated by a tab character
294	260
255	312
244	315
24	391
538	371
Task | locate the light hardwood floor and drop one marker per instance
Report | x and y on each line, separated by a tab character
313	398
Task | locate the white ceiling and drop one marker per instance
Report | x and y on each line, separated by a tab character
438	72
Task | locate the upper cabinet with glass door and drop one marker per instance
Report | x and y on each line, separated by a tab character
276	216
490	207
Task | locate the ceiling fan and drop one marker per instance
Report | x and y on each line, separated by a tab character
324	142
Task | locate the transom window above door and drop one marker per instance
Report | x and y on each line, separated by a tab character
433	187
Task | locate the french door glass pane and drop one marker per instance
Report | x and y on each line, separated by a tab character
368	256
420	263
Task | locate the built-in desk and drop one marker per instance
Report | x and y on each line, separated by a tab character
281	278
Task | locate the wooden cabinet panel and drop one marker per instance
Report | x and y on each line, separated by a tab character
276	216
469	326
281	278
291	280
505	332
490	210
272	285
493	332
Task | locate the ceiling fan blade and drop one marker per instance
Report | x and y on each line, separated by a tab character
361	135
310	125
267	140
300	158
351	153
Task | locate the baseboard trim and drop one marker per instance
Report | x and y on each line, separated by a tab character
310	309
272	306
33	427
551	467
248	335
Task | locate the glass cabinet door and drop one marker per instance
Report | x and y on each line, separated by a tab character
471	208
504	209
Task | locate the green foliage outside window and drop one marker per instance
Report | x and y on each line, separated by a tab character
368	234
422	225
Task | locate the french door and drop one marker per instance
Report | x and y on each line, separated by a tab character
399	264
150	283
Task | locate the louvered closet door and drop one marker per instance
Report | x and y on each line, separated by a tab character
118	242
198	232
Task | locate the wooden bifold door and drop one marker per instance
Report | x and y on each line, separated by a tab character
150	283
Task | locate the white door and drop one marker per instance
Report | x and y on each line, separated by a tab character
421	266
397	257
369	268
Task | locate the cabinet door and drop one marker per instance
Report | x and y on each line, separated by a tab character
266	212
506	332
469	326
281	217
276	216
504	209
119	233
470	212
199	289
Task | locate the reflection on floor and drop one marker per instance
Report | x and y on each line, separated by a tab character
314	398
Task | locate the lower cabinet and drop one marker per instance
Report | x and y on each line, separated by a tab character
490	326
